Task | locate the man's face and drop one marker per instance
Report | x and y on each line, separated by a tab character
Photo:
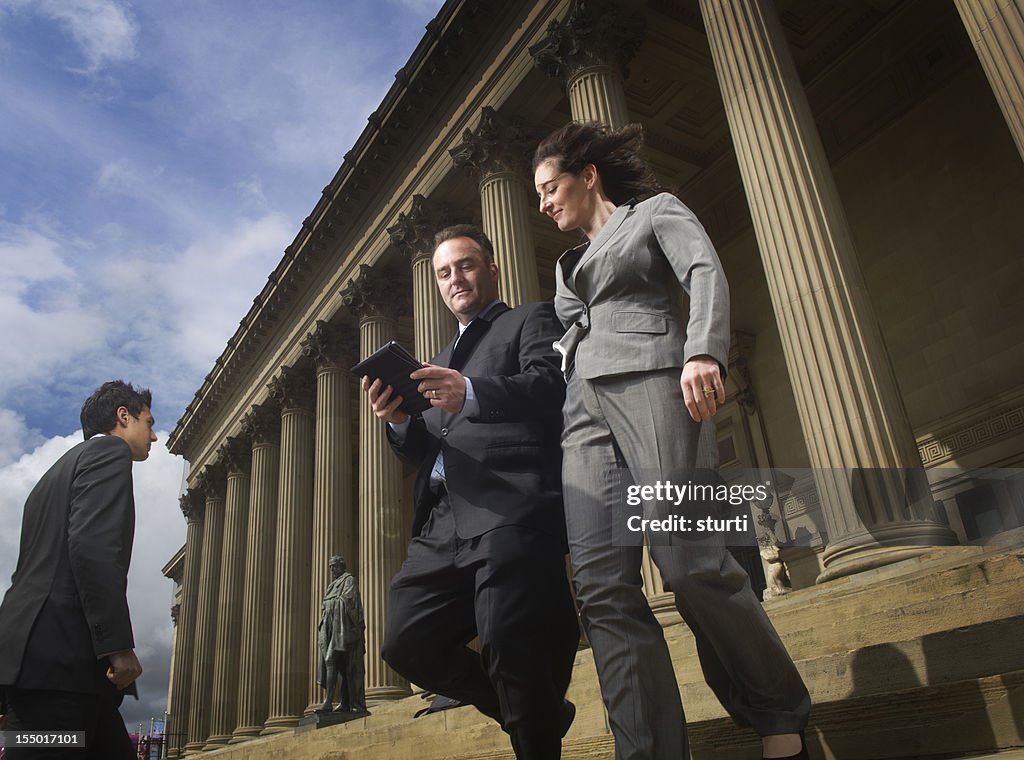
467	283
137	432
337	568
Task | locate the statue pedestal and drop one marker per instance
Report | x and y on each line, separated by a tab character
320	719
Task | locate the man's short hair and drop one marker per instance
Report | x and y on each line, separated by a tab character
470	231
99	412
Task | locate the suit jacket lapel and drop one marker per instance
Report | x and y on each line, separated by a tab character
600	243
476	330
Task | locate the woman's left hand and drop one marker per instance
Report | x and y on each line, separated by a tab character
703	387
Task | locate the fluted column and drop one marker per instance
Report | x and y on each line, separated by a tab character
332	349
192	505
235	456
212	483
497	155
382	535
433	323
589	52
263	427
996	29
877	508
292	389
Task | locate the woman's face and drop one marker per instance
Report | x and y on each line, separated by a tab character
564	196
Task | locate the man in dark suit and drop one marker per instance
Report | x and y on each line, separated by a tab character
487	556
66	646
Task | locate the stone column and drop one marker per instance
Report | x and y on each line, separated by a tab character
414	234
292	389
588	52
332	349
192	505
497	154
212	483
236	457
382	535
262	426
996	29
877	509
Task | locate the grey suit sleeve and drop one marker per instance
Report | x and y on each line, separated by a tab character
699	270
101	522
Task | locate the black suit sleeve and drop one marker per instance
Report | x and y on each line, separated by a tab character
417	441
101	524
537	390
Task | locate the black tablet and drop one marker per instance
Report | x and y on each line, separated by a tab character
392	364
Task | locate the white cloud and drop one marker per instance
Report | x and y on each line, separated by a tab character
45	320
15	437
105	30
159	533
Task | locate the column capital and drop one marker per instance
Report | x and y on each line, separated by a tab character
262	425
235	454
374	293
175	611
414	232
594	33
192	505
330	345
499	144
292	388
212	481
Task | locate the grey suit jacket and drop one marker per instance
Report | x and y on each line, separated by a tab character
622	297
67	605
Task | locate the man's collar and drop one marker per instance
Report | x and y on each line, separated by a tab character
482	314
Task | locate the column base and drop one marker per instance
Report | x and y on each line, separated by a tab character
193	748
216	742
244	734
868	549
387	693
279	724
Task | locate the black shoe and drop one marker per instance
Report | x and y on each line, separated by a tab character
801	755
568	716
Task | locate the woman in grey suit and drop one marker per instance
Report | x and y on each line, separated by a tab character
645	375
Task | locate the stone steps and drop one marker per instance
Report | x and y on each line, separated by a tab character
920	660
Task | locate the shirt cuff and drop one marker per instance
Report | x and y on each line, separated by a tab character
400	430
471	407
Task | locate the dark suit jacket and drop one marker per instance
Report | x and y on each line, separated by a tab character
502	467
67	605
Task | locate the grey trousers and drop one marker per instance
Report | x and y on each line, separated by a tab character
619	430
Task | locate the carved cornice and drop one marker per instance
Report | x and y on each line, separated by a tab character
414	232
212	481
235	454
331	345
376	293
594	33
498	144
192	505
262	425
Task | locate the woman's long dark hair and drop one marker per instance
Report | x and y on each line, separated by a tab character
615	152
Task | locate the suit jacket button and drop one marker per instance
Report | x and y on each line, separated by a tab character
444	431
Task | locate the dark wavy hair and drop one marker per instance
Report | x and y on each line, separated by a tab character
615	152
99	412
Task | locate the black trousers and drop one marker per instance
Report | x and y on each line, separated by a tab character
106	737
508	587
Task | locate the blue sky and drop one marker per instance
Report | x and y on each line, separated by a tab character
155	160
